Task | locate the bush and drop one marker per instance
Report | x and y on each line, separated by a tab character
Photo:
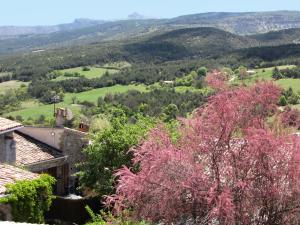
30	199
202	71
282	101
86	68
108	219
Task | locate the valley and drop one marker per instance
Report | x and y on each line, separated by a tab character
178	120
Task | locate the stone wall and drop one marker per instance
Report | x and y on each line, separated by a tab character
7	148
72	144
2	149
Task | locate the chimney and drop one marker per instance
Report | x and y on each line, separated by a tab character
60	117
83	127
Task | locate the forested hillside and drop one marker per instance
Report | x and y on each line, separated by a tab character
16	39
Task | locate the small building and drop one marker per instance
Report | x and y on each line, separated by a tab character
251	72
51	150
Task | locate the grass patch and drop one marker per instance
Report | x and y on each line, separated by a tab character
183	89
4	74
117	65
93	95
13	84
286	83
94	72
264	74
39	109
34	109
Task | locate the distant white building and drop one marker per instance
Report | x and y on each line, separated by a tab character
251	72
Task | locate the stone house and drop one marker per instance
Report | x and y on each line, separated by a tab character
54	151
28	151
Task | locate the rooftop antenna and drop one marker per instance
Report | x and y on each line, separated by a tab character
55	99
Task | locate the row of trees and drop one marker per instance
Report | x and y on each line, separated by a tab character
289	97
286	73
11	99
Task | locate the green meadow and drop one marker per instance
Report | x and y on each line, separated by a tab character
13	84
286	83
34	109
266	74
94	72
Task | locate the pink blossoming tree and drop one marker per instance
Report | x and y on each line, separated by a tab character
228	167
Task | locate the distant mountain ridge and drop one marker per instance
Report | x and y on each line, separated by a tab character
252	25
242	23
14	31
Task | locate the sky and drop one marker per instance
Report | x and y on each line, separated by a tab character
50	12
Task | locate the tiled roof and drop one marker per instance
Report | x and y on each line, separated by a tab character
10	174
6	124
29	150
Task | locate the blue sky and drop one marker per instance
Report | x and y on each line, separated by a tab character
46	12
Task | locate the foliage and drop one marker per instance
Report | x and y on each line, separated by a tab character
291	118
11	99
228	167
153	103
108	219
286	73
187	80
282	101
109	151
30	199
291	97
242	72
277	74
171	112
202	71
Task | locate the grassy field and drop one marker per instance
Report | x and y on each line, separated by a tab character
34	109
13	84
286	83
93	95
266	74
263	74
94	72
3	74
182	89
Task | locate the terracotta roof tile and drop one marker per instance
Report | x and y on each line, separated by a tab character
6	124
10	174
29	150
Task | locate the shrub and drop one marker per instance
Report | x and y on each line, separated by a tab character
30	199
282	101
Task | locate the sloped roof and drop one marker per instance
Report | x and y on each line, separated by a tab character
11	174
29	150
7	125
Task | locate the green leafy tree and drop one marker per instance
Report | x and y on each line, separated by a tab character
109	152
171	111
277	74
242	72
291	96
108	219
282	101
86	68
74	99
202	71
